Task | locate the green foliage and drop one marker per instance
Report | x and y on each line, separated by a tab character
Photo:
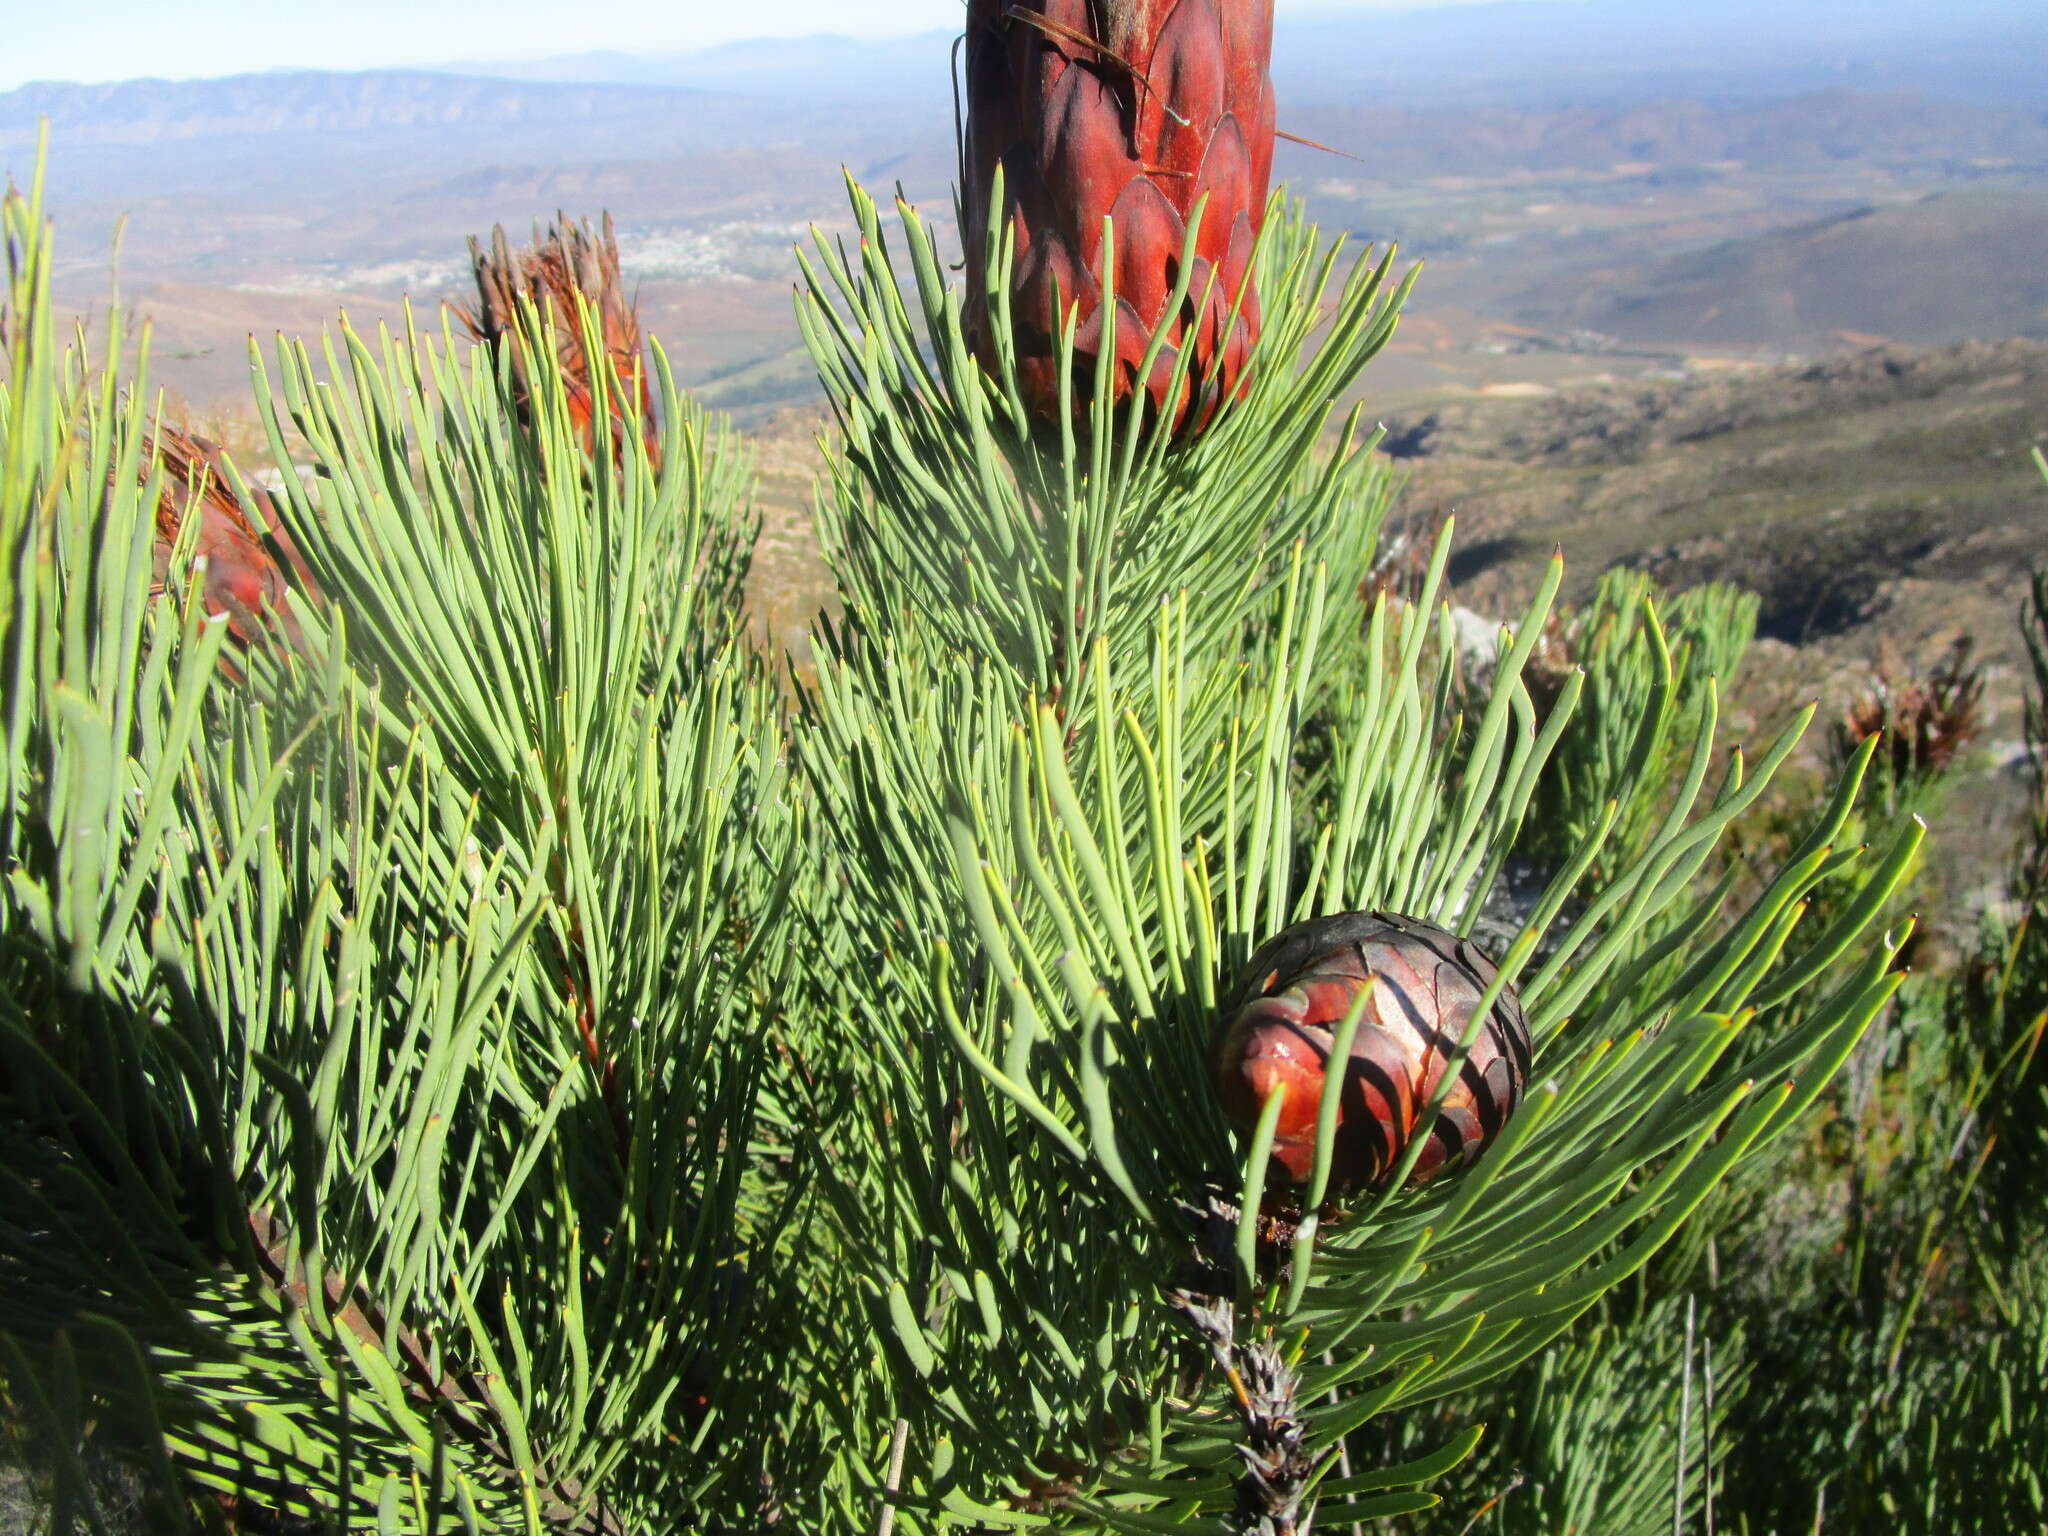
1634	727
2005	1002
1075	860
495	1066
380	1088
1874	1284
1034	541
1618	1429
1964	1436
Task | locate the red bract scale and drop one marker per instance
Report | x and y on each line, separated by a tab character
1422	987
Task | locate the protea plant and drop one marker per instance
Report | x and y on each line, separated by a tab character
1927	720
1062	747
528	1071
568	259
1139	111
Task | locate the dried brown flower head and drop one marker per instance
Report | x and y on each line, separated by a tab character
1927	719
567	260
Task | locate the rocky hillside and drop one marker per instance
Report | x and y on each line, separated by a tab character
1889	485
1978	258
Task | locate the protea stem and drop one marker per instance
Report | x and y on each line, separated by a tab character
1274	1494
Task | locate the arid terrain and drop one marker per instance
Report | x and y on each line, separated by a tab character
1552	258
1598	191
1888	483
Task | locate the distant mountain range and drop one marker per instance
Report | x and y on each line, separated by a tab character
283	135
1586	52
266	132
825	67
1433	91
1675	135
1528	53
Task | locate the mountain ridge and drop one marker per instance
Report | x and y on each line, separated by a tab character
1813	127
370	128
153	110
1891	482
1529	52
369	125
1833	276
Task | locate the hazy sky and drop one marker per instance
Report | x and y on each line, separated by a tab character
122	39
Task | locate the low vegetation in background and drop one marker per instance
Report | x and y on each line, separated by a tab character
1850	1334
483	1050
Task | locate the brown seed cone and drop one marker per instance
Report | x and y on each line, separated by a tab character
1134	109
1425	985
243	576
566	260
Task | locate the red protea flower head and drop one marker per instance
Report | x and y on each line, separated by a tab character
243	575
567	260
1134	109
1422	988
